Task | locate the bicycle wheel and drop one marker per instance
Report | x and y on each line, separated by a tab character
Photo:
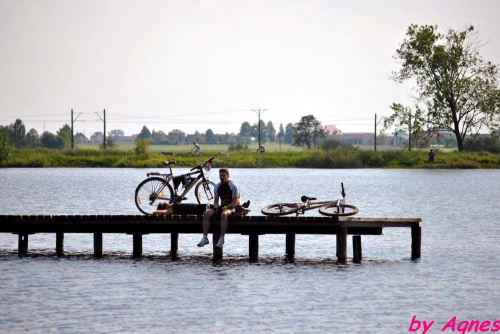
189	154
280	209
337	211
151	192
204	192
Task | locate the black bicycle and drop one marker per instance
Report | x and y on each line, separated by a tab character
156	188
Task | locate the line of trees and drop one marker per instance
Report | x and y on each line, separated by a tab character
308	132
19	138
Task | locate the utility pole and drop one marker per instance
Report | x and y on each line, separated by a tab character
258	113
73	120
375	135
103	119
409	132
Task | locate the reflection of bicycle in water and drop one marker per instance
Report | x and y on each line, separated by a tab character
156	188
334	208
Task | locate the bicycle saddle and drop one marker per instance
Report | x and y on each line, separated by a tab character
305	198
166	163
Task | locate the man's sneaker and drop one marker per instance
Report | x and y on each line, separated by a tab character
204	241
220	243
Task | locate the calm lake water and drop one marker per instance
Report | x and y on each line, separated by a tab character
458	274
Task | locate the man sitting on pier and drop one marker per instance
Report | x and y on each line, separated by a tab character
229	194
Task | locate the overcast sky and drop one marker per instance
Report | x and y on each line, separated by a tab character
195	65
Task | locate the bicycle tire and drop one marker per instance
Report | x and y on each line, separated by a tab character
204	195
346	210
146	198
279	209
189	154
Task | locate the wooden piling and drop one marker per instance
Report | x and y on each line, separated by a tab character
290	246
342	244
22	247
253	247
97	244
356	248
218	251
137	245
416	242
174	243
59	243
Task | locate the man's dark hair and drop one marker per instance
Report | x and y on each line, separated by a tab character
224	170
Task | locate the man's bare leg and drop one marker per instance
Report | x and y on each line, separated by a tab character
206	220
223	221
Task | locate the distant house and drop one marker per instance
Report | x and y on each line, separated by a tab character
179	135
355	138
97	137
331	130
80	138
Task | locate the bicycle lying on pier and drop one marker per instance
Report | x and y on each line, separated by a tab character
156	188
334	208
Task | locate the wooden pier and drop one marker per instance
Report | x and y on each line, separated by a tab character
253	226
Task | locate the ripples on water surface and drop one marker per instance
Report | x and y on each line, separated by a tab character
458	274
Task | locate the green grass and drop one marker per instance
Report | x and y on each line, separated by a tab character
271	159
270	147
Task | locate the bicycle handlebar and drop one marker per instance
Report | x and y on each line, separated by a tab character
209	161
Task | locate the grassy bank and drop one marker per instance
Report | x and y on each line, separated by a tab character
276	159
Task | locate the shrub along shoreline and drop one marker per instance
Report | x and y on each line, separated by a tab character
289	159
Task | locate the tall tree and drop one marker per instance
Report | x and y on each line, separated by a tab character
209	136
116	133
4	146
18	133
289	131
50	140
158	136
145	134
281	134
245	130
271	132
65	134
456	89
33	139
307	132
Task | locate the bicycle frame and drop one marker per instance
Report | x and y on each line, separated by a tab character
169	177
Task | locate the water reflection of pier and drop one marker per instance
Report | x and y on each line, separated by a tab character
253	226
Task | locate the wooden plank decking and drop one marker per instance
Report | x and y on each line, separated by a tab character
24	225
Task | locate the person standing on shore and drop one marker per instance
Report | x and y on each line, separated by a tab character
431	156
229	194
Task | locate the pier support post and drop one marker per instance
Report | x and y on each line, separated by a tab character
59	243
137	245
253	247
356	248
97	244
290	246
218	252
174	244
416	242
342	244
22	247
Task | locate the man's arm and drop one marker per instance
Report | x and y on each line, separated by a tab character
233	204
216	202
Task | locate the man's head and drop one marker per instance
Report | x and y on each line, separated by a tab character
194	143
223	175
